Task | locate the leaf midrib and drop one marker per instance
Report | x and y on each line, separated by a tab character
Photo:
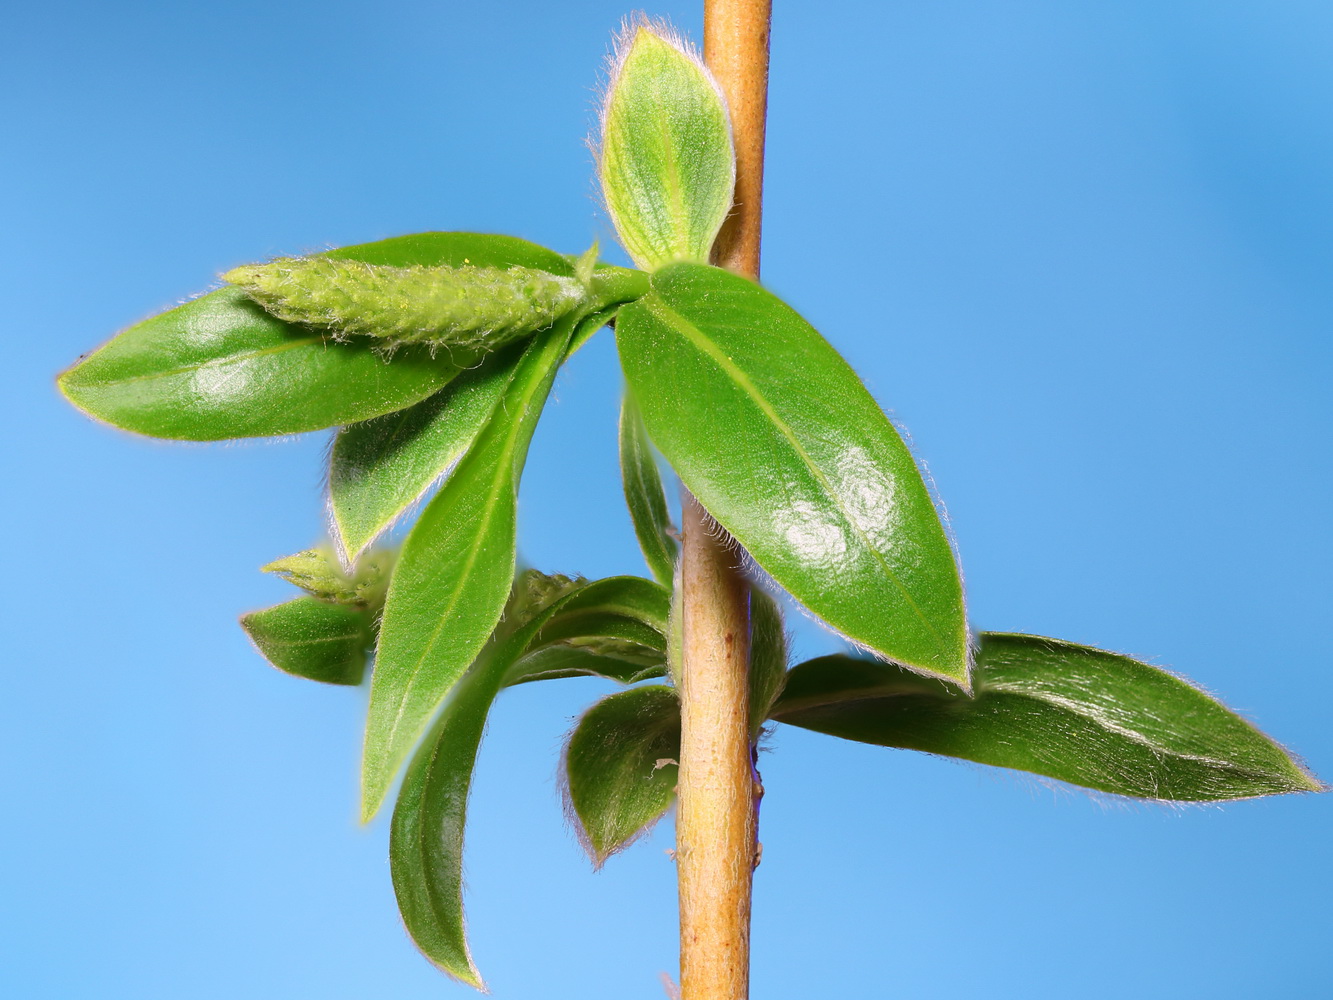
654	303
503	466
200	365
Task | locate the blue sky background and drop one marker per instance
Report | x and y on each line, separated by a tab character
1080	251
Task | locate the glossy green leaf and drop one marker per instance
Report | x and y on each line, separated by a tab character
666	162
779	440
379	468
645	497
453	574
620	767
220	367
768	656
426	839
1070	712
315	639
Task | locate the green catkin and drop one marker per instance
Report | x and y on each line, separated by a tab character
471	308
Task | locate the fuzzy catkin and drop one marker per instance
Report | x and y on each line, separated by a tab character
473	308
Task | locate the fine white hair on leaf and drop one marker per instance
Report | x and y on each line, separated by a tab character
621	43
761	578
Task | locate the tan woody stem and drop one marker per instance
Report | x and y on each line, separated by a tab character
717	792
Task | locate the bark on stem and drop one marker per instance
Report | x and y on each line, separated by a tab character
717	792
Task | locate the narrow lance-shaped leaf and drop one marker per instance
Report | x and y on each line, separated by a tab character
221	367
778	439
620	767
426	839
644	495
453	575
379	468
666	161
314	639
1054	708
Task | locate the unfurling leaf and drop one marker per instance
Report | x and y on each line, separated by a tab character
314	639
319	573
778	439
620	767
666	162
1054	708
454	574
221	367
644	496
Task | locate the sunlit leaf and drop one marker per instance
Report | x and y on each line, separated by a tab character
221	367
778	439
666	161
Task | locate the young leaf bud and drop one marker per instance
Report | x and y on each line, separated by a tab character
667	166
319	573
475	309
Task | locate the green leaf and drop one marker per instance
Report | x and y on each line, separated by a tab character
453	574
768	656
1070	712
645	497
776	436
379	468
311	638
614	628
426	838
626	608
628	665
221	367
666	163
621	765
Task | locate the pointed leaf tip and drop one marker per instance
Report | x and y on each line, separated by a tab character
1070	712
